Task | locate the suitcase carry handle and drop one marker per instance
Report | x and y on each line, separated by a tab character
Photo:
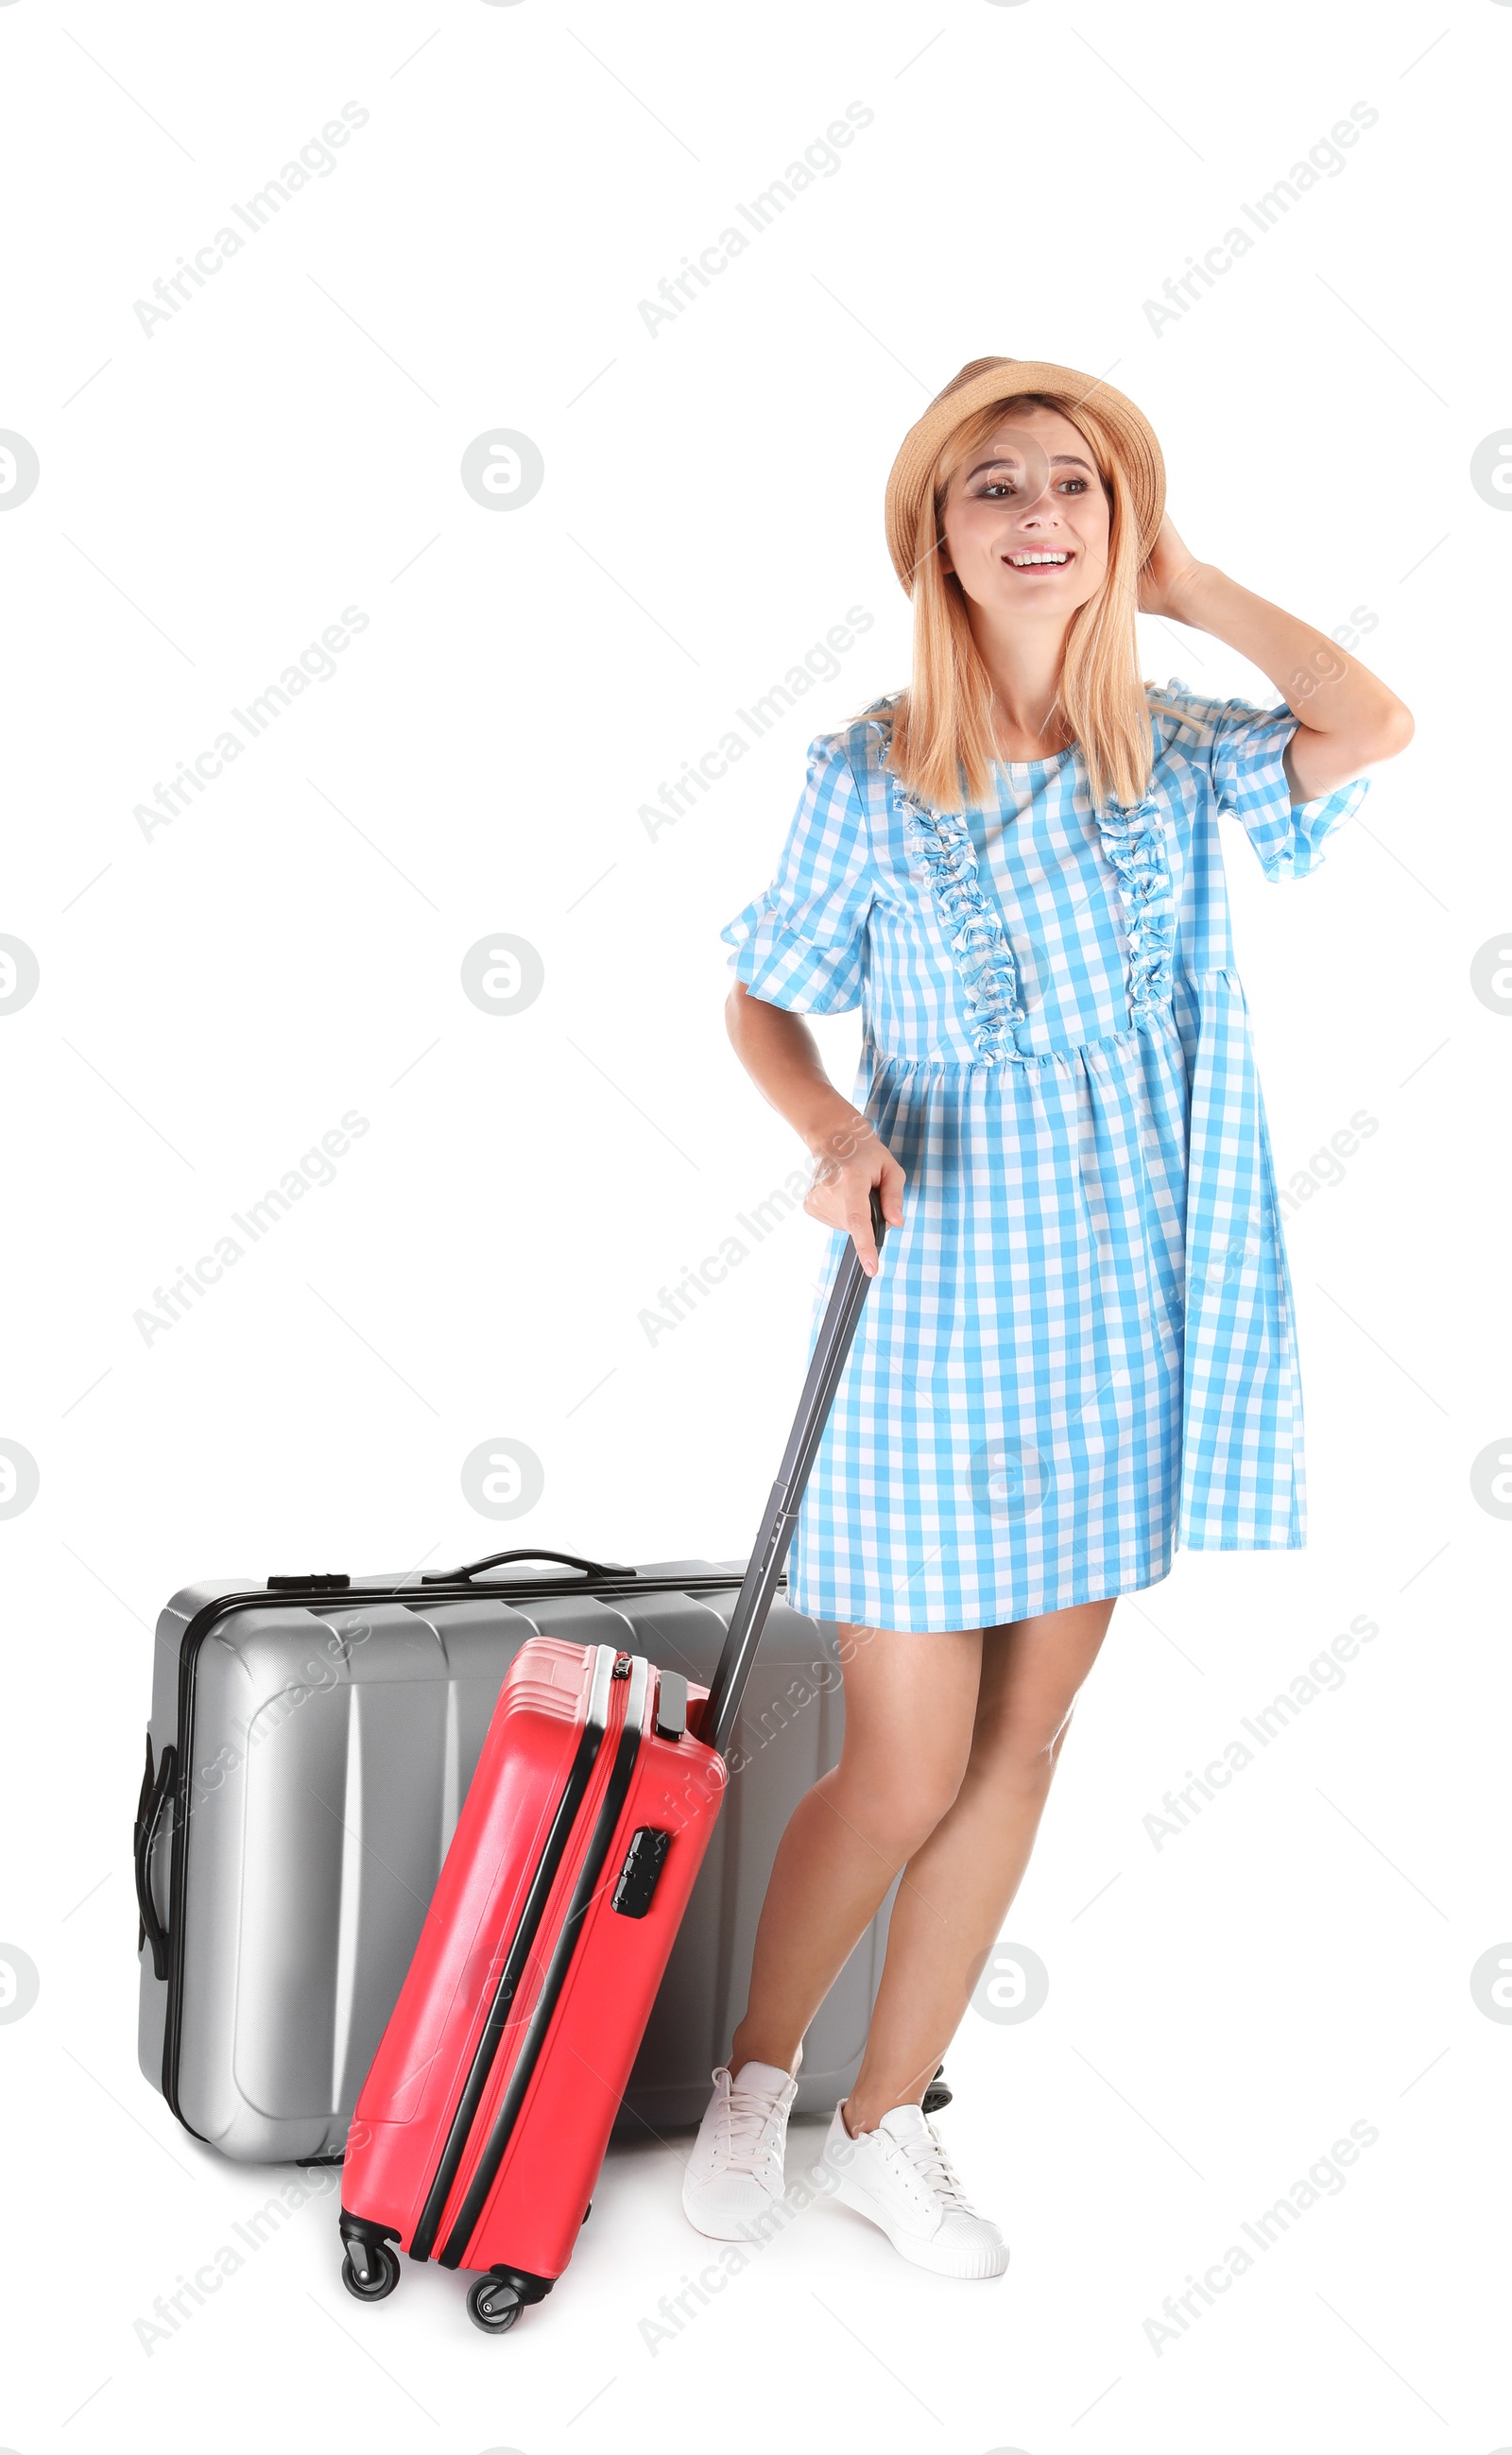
836	1332
497	1559
154	1931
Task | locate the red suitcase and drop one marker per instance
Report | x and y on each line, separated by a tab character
483	2120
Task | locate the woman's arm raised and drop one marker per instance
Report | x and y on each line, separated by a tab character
781	1055
1347	719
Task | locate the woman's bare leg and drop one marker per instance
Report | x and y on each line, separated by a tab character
951	1742
911	1707
959	1885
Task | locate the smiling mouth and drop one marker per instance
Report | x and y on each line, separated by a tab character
1048	559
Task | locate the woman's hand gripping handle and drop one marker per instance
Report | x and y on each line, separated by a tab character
781	1055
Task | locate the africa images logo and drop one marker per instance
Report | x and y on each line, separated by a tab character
1325	160
316	160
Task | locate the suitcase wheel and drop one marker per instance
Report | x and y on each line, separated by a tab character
382	2272
492	2306
936	2094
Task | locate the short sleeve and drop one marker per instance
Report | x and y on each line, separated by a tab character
800	944
1245	744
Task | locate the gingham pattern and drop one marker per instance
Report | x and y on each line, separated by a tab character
1079	1350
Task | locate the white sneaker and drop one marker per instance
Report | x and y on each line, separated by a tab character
734	2176
901	2177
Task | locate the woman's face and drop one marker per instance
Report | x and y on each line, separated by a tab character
1026	519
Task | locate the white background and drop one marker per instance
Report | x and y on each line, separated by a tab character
212	999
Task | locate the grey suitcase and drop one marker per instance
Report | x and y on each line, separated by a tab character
311	1744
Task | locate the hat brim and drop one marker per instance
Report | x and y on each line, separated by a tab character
977	386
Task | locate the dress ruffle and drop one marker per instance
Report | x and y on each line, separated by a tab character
1133	839
940	845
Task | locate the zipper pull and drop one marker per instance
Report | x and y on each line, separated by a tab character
621	1666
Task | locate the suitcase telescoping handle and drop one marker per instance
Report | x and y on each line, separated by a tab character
836	1332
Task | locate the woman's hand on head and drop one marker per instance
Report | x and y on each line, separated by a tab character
1169	576
849	1161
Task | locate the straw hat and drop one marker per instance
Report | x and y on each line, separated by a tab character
990	379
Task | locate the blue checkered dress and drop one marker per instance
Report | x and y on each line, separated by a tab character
1080	1347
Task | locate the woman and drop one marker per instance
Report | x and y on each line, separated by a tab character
1080	1346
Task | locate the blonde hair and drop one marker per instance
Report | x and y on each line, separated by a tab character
943	744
